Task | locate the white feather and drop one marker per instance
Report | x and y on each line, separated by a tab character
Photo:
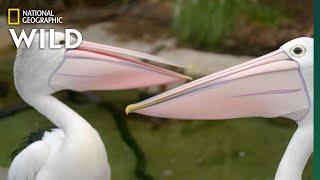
29	161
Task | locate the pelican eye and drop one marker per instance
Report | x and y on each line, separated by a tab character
298	51
62	42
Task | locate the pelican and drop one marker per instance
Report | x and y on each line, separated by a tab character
74	150
277	84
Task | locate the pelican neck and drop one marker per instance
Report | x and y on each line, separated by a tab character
59	114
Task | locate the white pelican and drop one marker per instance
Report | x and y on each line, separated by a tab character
74	150
277	84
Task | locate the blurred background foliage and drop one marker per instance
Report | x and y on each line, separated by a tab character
251	27
238	25
206	23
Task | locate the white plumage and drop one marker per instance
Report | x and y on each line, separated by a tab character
28	163
74	150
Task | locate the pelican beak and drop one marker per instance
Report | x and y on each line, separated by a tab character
94	66
268	86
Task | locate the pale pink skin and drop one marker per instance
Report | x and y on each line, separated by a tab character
277	84
101	67
231	94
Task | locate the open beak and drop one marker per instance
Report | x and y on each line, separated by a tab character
268	86
94	66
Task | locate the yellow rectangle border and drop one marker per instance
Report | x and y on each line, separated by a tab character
18	16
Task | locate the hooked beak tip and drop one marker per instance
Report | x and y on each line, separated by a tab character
129	109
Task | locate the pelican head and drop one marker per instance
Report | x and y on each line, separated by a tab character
91	66
277	84
33	66
301	51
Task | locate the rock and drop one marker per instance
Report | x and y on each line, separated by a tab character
202	63
100	33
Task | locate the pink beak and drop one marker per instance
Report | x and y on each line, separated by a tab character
268	86
100	67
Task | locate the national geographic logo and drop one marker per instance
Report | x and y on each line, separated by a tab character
13	16
32	16
16	16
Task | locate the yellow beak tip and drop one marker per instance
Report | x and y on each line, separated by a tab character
129	109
